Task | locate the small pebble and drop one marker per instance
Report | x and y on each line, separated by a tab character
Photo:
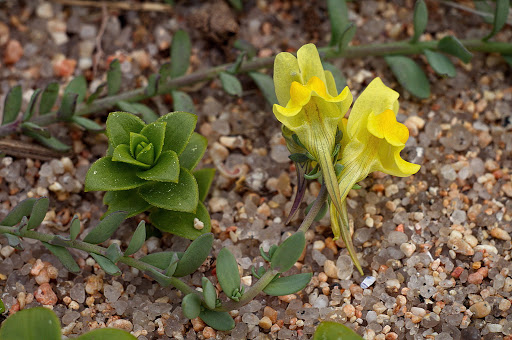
480	309
45	295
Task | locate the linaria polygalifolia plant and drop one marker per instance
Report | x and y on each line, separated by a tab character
150	154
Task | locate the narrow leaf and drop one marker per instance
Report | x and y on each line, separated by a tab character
52	142
484	10
114	78
195	255
36	129
233	69
113	253
409	75
152	87
24	208
204	178
31	324
266	86
64	257
67	106
193	152
334	330
87	124
77	86
29	112
96	93
105	228
161	260
440	63
169	271
182	102
74	229
420	19
191	306
500	17
147	114
12	105
288	284
221	321
230	84
227	272
180	53
453	46
138	238
338	18
38	212
108	266
48	98
209	293
178	130
288	252
14	241
247	47
346	37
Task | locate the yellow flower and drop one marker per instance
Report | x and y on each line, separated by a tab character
310	106
372	141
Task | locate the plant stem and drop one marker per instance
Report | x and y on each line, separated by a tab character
400	47
315	209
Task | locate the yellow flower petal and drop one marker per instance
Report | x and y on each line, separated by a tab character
286	71
330	83
389	161
384	125
309	63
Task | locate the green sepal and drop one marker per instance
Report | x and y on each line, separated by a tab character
181	223
166	169
194	151
107	175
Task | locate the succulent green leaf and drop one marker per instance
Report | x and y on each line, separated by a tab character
67	106
96	93
74	228
166	169
182	102
161	260
328	330
119	126
29	112
182	196
107	333
180	53
169	271
409	75
209	293
145	154
113	252
191	305
233	69
231	84
164	73
24	208
266	86
420	19
152	86
31	324
125	200
135	140
178	130
453	46
500	17
288	252
108	266
147	114
182	223
48	98
138	238
114	78
194	151
107	175
204	178
338	18
288	284
440	63
64	257
52	142
221	321
339	78
2	307
38	212
347	36
155	133
484	10
78	86
86	123
195	255
36	129
14	241
12	105
105	228
227	272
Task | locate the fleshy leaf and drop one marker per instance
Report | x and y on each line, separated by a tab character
78	86
182	101
288	284
38	212
227	272
113	252
29	112
167	169
194	151
12	105
108	266
420	19
180	53
107	175
114	77
119	126
230	84
87	123
204	178
48	98
146	113
266	86
195	255
24	208
178	130
500	17
182	223
136	139
221	321
161	260
440	63
67	106
105	228
453	46
409	75
191	305
181	196
209	293
31	324
146	155
74	228
107	333
122	154
138	238
328	330
64	257
338	18
288	252
155	133
125	200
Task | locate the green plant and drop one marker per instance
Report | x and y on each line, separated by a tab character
328	330
41	323
151	167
